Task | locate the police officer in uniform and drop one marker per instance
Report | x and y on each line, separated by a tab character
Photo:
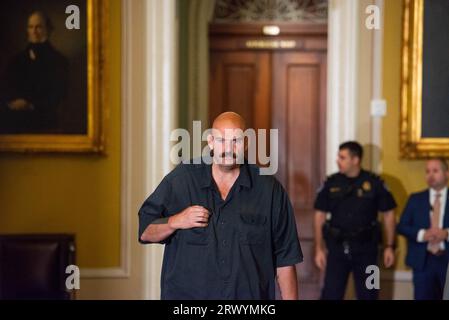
347	233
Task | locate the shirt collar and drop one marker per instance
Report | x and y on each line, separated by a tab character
206	177
443	193
243	179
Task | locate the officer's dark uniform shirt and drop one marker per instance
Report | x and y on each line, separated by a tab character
249	235
354	202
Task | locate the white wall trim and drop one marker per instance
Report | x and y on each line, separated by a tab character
348	94
342	85
126	208
96	273
397	276
160	101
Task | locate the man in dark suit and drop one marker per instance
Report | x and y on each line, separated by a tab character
35	83
446	289
425	224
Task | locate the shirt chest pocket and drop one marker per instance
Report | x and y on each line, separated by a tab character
335	198
336	194
197	236
253	229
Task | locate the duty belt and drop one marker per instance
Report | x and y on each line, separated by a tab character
366	234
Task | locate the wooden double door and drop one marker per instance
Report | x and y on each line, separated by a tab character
279	83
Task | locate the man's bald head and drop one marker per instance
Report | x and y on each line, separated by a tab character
229	120
227	140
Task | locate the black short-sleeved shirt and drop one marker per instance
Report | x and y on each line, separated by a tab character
354	202
249	235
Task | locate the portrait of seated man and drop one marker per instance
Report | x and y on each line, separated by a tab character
34	83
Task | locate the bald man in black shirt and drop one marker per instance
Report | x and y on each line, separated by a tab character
228	231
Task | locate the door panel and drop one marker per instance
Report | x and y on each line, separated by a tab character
240	82
299	85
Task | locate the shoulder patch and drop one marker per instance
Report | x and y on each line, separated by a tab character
332	177
329	179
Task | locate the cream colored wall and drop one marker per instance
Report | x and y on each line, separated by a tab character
365	69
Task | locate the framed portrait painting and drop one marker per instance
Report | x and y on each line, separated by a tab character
52	75
425	80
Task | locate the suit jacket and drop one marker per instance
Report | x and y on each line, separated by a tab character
446	287
414	218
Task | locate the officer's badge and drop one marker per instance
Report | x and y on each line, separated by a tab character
334	189
366	186
359	193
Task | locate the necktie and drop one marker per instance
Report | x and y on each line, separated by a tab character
435	222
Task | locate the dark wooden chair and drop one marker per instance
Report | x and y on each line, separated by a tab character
32	266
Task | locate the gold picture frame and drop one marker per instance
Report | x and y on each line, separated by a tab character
92	140
412	143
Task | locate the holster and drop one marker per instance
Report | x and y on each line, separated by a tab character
370	233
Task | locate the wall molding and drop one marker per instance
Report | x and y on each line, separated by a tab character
126	160
376	93
160	69
352	87
343	26
397	275
95	273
